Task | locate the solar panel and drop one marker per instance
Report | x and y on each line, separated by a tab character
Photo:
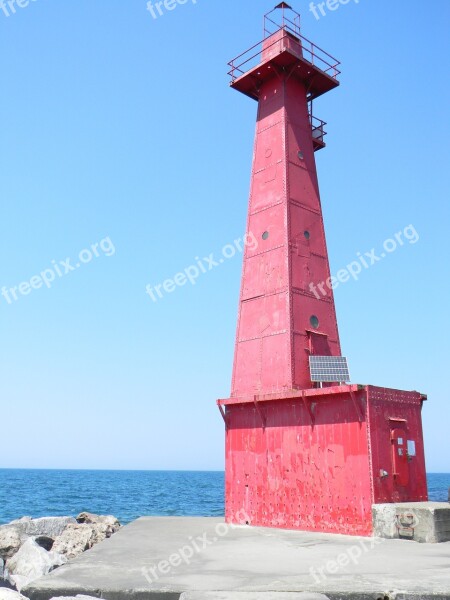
329	369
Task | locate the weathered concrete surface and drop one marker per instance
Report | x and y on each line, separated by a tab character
159	558
252	596
79	597
425	522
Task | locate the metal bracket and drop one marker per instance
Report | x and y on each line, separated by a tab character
308	408
279	73
291	72
224	416
357	405
261	414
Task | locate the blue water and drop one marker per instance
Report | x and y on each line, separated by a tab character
127	494
124	494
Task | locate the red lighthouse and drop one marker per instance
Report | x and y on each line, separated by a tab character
304	449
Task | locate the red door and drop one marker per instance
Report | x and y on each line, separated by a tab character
400	463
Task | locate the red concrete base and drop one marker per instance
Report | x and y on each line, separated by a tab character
318	459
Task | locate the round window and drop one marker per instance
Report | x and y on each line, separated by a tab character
314	322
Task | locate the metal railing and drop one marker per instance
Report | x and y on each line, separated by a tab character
252	57
317	128
271	26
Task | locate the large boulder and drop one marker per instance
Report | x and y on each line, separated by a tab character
104	526
47	526
31	562
45	529
6	594
89	530
21	520
111	522
31	548
10	541
74	540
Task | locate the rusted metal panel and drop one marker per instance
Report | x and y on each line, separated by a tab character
318	461
293	474
402	479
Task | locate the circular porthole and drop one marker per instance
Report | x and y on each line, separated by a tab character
307	235
314	322
300	155
265	235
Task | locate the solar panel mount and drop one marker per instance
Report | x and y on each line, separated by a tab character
329	369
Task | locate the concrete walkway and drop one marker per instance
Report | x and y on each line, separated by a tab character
157	558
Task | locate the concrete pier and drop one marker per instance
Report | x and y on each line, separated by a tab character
424	522
157	558
251	596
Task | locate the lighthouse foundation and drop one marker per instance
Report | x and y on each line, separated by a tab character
319	459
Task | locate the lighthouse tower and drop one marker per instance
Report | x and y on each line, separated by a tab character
283	317
304	449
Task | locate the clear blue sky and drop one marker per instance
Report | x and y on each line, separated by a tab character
118	125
